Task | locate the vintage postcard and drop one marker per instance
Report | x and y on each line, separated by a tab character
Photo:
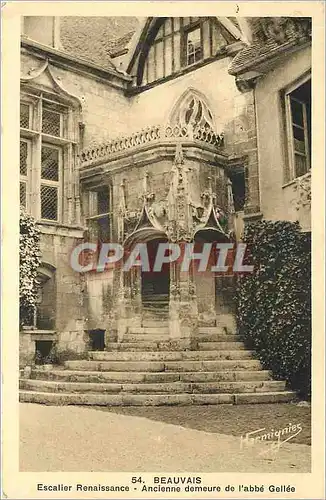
163	241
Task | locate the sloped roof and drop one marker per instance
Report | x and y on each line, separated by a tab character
93	38
118	46
270	37
234	20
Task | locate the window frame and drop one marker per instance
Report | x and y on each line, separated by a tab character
37	100
93	215
26	179
291	151
55	184
184	52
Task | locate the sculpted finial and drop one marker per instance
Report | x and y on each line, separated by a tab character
178	154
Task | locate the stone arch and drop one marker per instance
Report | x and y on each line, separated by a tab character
192	108
143	235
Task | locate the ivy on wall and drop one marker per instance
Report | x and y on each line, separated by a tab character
29	261
274	302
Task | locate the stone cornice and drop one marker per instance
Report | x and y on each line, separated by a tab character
60	229
76	64
150	154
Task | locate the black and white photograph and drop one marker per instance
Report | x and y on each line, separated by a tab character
165	320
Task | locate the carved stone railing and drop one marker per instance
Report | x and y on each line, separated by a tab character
148	135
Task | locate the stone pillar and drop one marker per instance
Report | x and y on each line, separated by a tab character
183	312
135	296
128	310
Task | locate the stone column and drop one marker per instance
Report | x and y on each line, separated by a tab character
128	305
183	312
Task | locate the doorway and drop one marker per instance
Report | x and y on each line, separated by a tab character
155	286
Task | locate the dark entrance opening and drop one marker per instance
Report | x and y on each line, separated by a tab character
42	351
97	340
155	285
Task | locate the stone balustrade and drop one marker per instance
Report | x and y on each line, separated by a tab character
156	134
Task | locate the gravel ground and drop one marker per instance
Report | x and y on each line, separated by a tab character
84	439
228	419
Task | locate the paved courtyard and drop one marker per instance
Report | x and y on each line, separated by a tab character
85	439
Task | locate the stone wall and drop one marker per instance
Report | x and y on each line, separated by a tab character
68	296
275	202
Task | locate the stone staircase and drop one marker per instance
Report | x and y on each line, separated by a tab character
147	368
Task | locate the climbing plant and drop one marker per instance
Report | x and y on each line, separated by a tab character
274	301
29	261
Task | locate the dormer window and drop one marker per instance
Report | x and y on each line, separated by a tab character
176	44
193	42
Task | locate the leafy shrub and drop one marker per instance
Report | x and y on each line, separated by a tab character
274	302
29	261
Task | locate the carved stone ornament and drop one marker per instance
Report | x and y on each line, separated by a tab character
303	189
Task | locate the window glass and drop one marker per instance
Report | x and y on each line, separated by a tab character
23	157
193	46
49	202
22	193
50	163
24	115
103	201
51	122
297	112
299	118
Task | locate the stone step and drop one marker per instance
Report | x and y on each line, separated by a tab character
155	322
156	296
156	388
149	330
153	399
157	337
145	337
217	337
167	346
212	346
150	377
159	366
220	329
155	309
150	305
169	355
155	313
